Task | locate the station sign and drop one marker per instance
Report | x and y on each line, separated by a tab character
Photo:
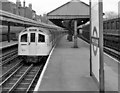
96	46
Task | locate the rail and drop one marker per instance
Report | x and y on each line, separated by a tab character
5	58
26	75
109	51
10	70
19	80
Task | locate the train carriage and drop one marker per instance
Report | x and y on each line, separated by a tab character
34	43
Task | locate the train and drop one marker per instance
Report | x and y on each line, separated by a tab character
111	33
37	42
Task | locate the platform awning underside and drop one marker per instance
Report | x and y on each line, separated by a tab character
74	9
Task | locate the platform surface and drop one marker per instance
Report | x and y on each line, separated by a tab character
68	69
7	44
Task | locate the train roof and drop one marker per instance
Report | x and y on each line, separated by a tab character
110	19
42	30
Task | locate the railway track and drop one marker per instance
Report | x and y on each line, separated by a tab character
7	70
8	56
112	52
22	78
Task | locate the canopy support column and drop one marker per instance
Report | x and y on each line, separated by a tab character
75	34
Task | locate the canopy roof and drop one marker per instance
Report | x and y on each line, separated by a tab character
71	10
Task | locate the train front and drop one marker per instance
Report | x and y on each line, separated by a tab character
31	41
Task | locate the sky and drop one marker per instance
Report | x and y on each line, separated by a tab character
45	6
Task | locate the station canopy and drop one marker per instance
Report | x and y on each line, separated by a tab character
74	9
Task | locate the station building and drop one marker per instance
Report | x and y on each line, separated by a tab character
119	8
18	9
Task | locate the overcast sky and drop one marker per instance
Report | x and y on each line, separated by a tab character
45	6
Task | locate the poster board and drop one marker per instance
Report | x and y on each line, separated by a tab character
96	42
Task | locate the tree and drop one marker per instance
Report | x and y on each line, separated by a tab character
110	15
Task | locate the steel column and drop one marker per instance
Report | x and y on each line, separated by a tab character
101	72
75	34
90	40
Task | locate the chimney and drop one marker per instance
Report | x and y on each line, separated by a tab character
30	6
24	3
18	3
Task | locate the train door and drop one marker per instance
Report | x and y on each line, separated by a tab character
23	44
41	44
32	43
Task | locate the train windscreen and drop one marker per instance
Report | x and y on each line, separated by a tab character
41	38
24	38
32	35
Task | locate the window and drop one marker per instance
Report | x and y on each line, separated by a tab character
107	25
41	38
14	11
24	38
104	26
32	35
50	38
112	25
117	24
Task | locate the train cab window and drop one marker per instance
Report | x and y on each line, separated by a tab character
41	38
32	35
24	38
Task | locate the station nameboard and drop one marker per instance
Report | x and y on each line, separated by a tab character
96	46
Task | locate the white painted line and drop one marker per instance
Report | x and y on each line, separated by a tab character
111	57
84	41
44	69
7	44
105	53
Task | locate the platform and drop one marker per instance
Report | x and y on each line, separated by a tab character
68	70
6	44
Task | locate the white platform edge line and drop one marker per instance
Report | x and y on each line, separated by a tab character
105	54
112	58
15	43
44	69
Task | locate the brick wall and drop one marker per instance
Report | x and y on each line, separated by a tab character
28	13
19	10
6	7
9	7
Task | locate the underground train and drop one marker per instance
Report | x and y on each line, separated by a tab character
111	33
111	28
36	42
